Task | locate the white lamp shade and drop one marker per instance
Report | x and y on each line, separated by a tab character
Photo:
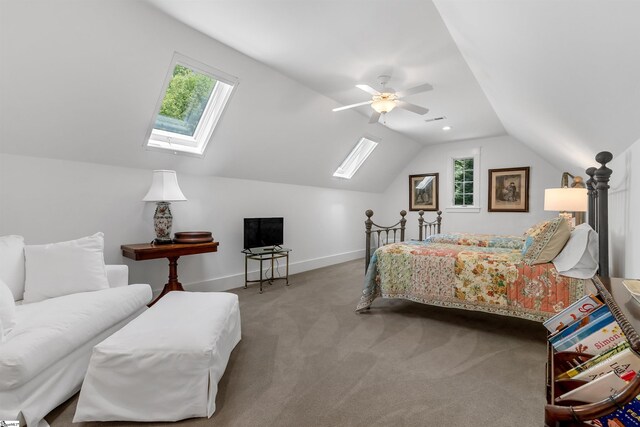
164	188
566	199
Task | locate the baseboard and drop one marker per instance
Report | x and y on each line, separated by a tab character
237	280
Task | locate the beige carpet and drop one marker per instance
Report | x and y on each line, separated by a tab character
306	359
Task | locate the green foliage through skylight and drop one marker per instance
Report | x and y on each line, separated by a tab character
185	101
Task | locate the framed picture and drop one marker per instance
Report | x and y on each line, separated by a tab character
423	192
509	190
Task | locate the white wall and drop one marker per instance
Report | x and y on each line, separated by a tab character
498	152
49	200
624	205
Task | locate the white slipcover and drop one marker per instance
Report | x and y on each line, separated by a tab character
74	266
165	364
49	330
43	362
12	264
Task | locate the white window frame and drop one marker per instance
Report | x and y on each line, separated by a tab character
477	201
197	144
345	170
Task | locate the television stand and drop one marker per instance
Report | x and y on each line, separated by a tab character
270	253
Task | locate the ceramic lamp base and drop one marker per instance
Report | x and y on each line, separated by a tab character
162	222
569	217
162	241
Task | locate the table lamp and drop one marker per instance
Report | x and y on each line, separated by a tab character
164	190
566	200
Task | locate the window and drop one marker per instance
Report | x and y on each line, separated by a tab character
194	97
464	176
463	182
356	158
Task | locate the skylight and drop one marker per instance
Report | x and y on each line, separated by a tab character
356	158
194	97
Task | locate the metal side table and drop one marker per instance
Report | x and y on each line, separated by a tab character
265	254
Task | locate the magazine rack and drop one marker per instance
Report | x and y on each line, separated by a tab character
575	414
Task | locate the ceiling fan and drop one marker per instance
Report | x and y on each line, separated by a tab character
387	99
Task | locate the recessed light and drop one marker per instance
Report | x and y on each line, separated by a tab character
446	128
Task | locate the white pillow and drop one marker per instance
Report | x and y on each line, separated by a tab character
64	268
12	264
7	311
579	257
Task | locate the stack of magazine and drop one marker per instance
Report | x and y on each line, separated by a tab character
606	364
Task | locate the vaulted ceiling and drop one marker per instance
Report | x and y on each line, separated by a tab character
79	80
330	46
560	76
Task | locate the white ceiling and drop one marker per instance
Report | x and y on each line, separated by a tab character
98	98
330	46
562	76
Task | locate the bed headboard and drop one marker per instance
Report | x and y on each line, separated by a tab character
380	234
426	228
598	191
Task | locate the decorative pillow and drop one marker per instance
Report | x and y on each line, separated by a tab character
535	229
64	268
545	240
579	258
12	264
7	311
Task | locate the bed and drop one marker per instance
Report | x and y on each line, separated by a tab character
506	275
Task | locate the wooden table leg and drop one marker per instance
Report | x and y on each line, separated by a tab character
173	284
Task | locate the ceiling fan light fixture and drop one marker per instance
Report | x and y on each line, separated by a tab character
383	105
387	99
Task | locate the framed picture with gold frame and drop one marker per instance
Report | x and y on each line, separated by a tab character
509	190
423	192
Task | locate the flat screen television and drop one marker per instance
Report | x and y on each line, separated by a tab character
259	232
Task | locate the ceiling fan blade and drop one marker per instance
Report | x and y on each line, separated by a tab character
422	88
346	107
374	117
368	89
412	107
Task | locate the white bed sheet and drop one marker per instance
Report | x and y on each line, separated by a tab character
165	365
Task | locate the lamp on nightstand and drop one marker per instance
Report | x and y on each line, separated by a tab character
568	200
164	190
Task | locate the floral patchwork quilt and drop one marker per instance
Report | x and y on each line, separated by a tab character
490	279
481	240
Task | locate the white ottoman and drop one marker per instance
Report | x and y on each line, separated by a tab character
165	364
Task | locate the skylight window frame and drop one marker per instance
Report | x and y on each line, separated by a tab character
162	140
352	163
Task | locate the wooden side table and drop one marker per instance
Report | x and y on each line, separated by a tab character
145	251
